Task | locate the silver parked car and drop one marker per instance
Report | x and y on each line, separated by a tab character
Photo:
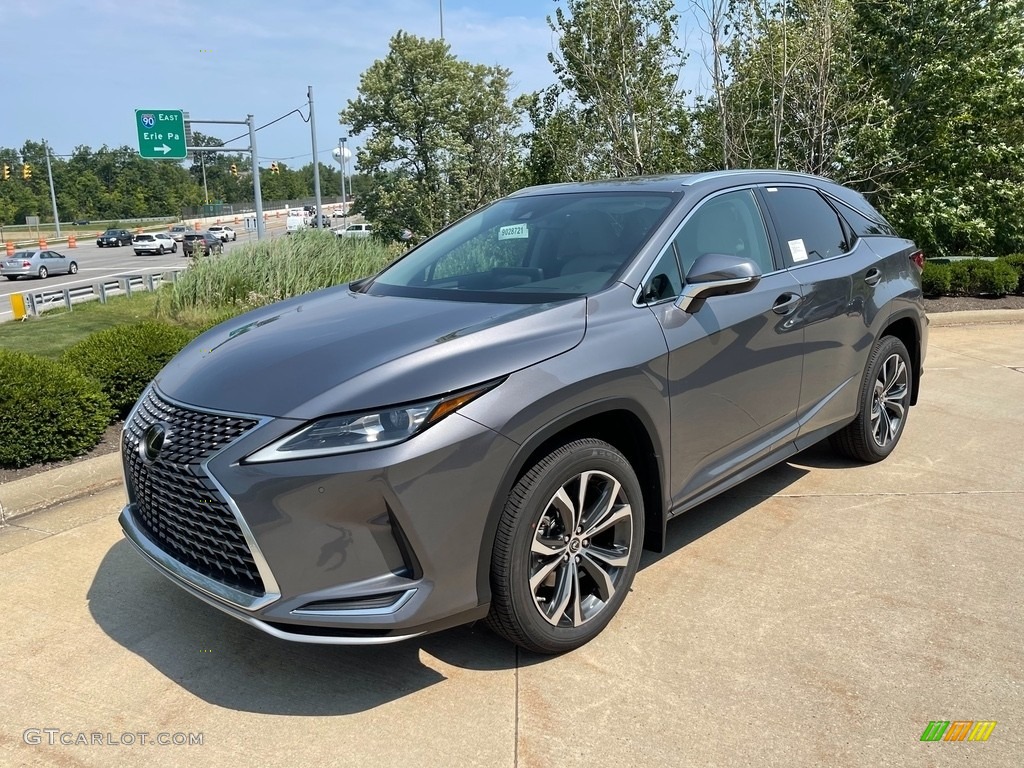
39	264
496	424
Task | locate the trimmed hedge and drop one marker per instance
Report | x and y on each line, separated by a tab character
970	277
50	410
125	358
935	280
1016	261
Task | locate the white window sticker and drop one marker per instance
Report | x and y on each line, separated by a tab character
797	250
513	232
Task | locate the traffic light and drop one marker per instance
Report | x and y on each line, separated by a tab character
26	171
274	168
7	171
234	169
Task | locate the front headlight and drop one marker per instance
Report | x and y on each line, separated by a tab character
363	431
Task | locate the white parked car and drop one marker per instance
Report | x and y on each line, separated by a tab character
224	233
158	243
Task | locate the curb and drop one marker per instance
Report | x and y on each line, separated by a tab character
56	486
976	317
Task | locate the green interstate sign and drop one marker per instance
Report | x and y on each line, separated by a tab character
161	133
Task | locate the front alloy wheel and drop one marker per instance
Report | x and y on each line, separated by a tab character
567	548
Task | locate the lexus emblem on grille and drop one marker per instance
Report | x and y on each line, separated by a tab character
152	442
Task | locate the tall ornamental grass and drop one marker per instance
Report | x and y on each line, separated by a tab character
259	273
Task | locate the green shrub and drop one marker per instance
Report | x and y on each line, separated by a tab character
50	410
963	277
935	279
997	277
1016	260
125	358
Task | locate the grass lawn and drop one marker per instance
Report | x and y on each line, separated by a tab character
54	331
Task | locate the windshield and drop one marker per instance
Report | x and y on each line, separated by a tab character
112	232
531	249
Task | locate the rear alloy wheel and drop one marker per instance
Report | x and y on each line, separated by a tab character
174	248
567	547
43	272
884	404
72	268
160	250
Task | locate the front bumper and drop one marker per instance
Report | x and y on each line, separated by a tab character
370	547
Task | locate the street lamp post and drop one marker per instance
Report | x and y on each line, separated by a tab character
342	154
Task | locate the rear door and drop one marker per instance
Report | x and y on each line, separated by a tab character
837	273
734	365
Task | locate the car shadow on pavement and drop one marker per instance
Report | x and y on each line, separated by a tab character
225	662
230	664
706	517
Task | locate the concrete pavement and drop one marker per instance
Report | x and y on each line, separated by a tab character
819	615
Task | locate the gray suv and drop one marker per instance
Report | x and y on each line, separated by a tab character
495	425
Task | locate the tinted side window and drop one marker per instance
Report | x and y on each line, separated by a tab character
731	224
666	281
862	225
808	227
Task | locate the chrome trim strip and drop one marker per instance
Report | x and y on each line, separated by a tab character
182	574
393	608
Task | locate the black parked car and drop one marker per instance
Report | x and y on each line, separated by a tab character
207	242
114	237
497	424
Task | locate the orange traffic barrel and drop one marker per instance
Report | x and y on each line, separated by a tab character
198	226
237	220
72	241
10	248
138	230
42	243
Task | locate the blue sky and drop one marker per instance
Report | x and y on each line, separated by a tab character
74	71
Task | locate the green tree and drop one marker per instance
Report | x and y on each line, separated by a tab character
617	64
951	75
440	136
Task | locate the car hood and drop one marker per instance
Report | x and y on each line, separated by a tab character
336	350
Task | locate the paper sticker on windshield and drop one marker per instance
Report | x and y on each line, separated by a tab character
513	232
797	250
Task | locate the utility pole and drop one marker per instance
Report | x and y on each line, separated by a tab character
202	164
53	195
257	192
440	10
316	160
344	169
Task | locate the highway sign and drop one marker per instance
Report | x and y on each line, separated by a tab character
161	133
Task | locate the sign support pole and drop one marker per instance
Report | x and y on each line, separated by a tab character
257	193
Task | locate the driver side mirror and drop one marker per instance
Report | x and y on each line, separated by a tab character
717	274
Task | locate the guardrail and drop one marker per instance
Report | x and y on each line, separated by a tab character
36	302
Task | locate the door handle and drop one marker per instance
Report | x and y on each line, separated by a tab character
786	303
873	276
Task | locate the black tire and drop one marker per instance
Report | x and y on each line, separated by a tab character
570	603
160	250
72	268
174	248
884	404
11	277
43	273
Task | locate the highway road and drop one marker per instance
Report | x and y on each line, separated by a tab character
96	264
